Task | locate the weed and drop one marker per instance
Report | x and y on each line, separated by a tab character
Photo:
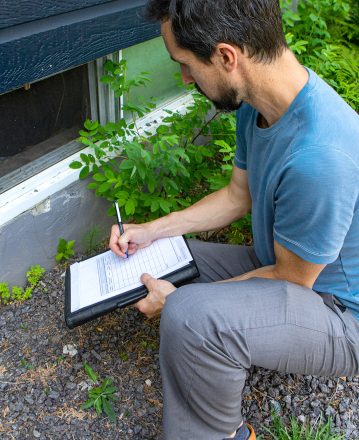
65	250
25	364
17	293
100	397
123	356
24	327
4	293
297	431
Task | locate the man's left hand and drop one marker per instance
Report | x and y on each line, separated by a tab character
158	290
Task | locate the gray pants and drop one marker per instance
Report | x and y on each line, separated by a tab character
212	333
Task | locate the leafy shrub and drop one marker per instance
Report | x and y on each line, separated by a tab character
324	34
160	170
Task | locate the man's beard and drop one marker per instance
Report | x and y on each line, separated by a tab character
227	103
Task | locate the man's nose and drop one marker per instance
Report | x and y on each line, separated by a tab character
186	76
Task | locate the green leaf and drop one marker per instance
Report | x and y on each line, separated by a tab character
88	404
91	374
59	256
165	206
61	247
92	185
110	390
109	411
151	183
75	165
84	157
104	187
127	165
130	207
98	405
91	125
109	174
84	172
99	177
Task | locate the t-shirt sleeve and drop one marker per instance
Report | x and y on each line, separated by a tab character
240	156
315	202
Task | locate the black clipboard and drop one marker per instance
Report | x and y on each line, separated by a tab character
88	313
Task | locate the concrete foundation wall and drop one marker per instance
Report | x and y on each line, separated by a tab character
32	237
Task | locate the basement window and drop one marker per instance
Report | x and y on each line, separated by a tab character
37	120
39	123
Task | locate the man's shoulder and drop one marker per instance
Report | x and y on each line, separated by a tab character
325	120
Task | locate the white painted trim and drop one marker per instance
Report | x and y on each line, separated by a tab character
38	188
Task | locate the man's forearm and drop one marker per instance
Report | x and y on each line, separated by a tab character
276	272
262	272
214	211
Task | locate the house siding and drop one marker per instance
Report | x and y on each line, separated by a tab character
36	45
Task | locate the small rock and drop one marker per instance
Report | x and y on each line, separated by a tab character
137	429
330	411
96	355
276	406
36	434
29	400
324	388
301	418
148	382
70	350
54	395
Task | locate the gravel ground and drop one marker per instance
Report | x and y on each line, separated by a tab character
42	389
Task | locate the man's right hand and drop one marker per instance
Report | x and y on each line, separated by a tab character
134	237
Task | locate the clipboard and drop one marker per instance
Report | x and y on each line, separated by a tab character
85	314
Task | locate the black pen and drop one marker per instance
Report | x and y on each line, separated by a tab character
119	221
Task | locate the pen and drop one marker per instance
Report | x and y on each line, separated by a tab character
119	221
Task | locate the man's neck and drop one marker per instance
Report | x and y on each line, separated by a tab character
272	87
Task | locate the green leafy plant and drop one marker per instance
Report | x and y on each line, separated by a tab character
324	35
17	293
24	327
65	250
34	274
160	169
20	294
4	293
100	397
123	356
297	431
25	364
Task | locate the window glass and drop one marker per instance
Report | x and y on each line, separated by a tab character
152	56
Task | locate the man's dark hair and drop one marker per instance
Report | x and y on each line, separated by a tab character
199	25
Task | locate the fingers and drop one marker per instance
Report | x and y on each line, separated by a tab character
113	243
148	281
119	244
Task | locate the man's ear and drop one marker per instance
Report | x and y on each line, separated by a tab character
226	55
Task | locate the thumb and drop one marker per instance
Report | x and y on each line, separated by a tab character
148	281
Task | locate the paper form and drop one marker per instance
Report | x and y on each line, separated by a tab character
108	275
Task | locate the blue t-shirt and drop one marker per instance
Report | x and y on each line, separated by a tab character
303	175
